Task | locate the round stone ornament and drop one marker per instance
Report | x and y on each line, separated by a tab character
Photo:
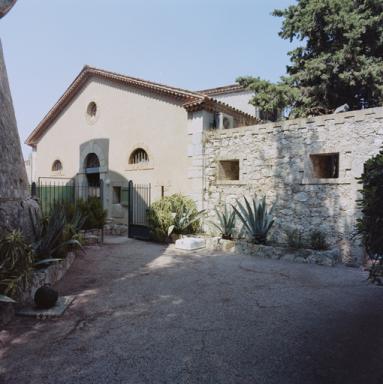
46	297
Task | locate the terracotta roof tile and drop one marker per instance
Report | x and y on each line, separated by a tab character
232	88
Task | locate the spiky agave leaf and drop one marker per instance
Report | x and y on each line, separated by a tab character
226	225
257	220
6	299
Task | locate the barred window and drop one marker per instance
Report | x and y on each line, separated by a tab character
57	166
138	156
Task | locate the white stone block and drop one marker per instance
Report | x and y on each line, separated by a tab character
190	150
190	243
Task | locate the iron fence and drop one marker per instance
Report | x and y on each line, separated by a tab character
50	193
139	202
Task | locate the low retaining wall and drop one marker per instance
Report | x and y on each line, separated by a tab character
329	257
40	277
117	229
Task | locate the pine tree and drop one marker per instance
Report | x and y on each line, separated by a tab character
340	60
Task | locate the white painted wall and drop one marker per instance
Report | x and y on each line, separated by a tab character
239	100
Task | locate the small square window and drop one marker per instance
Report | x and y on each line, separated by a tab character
228	170
325	166
116	195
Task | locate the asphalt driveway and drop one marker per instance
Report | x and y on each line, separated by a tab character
145	313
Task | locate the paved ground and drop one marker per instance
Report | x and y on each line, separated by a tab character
145	314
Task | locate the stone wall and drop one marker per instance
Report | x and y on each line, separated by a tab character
274	160
16	208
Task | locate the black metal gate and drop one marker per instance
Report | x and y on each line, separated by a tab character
59	190
139	202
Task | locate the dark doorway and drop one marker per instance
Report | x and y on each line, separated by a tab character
92	171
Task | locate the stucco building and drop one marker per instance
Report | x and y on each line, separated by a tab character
109	128
211	146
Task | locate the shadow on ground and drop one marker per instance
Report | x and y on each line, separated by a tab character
145	313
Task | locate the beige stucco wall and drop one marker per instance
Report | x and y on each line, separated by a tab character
129	118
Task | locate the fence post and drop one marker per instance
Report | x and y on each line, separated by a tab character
102	192
130	207
33	189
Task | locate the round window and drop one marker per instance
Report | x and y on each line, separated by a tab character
92	109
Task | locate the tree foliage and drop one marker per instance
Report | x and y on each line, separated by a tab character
370	225
338	62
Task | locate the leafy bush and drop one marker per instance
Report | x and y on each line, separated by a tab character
183	220
257	219
177	210
93	211
370	225
226	223
318	240
294	238
16	259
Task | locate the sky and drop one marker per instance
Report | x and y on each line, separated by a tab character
193	44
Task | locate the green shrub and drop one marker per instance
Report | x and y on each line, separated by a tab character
169	211
93	211
370	225
318	240
16	259
294	238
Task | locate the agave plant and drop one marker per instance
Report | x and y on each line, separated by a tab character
16	260
226	225
50	237
6	299
183	220
256	218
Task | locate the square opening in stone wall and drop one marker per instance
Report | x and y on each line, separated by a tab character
228	170
116	195
325	165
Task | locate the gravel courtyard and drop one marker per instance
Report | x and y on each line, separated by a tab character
145	313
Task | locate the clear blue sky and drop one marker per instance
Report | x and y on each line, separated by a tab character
192	44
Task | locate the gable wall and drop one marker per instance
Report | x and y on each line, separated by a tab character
129	118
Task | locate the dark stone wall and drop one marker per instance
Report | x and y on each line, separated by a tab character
16	207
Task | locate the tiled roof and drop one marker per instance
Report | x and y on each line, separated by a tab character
190	100
232	88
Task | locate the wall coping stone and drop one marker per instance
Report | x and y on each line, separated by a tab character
339	118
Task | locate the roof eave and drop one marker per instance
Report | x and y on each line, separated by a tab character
213	105
88	72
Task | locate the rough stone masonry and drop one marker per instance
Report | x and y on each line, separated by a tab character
16	209
307	167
